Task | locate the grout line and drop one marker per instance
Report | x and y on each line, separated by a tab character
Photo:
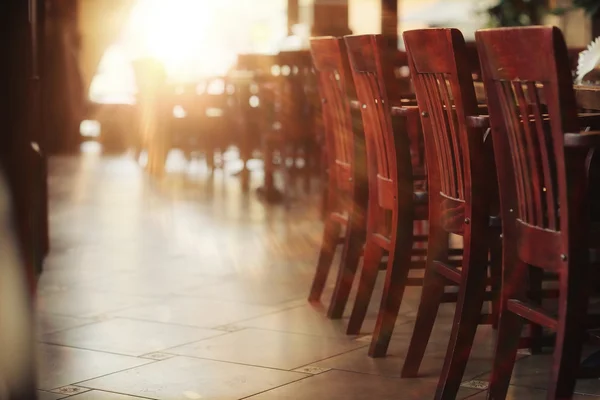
82	383
277	387
474	394
349	337
101	351
66	329
237	363
337	355
135	396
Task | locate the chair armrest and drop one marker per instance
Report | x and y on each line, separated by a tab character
478	121
586	139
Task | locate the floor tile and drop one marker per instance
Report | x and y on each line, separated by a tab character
50	323
49	396
391	365
152	283
340	385
86	303
191	378
100	395
307	320
203	313
519	392
272	349
129	337
252	291
61	366
533	371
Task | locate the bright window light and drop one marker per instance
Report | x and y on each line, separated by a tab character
179	112
90	128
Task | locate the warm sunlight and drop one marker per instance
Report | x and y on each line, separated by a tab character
182	34
191	38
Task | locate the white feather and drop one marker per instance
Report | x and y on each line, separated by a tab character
588	60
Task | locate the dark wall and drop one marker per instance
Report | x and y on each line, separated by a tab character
21	129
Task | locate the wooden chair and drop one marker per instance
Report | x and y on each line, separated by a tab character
247	104
256	93
462	191
295	114
394	204
347	192
542	162
287	128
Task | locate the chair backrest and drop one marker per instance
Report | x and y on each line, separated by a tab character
387	142
335	83
526	72
368	63
441	75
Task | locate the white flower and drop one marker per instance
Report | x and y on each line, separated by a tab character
588	60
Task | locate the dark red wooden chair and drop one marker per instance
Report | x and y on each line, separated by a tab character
346	194
462	191
542	159
394	204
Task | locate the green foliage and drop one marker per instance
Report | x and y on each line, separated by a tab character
591	7
517	12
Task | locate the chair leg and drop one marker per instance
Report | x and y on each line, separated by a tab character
368	276
536	332
507	344
431	297
466	319
330	240
496	278
569	337
510	325
353	249
395	283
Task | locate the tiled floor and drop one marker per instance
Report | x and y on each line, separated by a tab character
189	289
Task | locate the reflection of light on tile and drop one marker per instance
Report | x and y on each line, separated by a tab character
192	395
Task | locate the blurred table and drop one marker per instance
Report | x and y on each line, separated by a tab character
587	96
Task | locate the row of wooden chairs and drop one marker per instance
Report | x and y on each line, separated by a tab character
517	196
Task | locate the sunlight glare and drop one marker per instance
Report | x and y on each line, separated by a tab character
181	34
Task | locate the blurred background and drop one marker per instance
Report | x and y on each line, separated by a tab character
198	39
